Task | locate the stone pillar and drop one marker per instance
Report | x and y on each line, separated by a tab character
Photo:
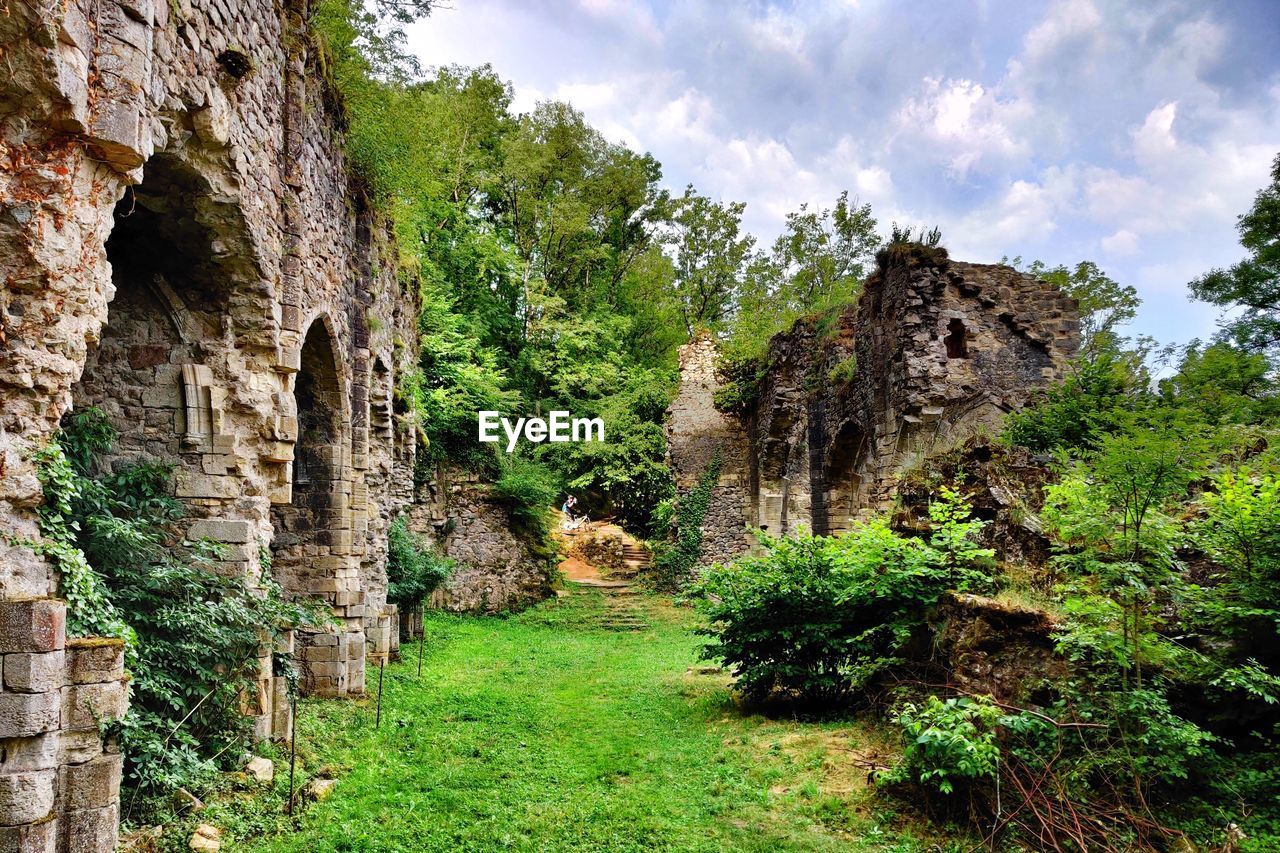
59	782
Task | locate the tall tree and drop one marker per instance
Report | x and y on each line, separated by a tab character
577	208
711	254
823	255
1105	304
1253	284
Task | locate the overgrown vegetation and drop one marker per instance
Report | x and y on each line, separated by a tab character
816	618
193	636
414	569
674	562
1162	513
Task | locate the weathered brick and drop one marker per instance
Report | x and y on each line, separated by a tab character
38	625
34	672
28	714
91	830
39	837
85	705
27	796
93	784
94	659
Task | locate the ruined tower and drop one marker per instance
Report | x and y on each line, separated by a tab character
933	351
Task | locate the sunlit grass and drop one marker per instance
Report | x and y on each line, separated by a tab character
546	731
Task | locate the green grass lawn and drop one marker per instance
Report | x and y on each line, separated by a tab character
547	731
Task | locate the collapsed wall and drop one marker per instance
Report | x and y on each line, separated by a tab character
498	568
934	351
182	246
699	435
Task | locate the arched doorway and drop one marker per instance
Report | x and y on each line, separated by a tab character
147	373
311	547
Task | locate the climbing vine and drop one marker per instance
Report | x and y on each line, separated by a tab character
674	563
193	636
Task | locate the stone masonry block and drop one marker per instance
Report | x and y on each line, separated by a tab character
91	830
28	672
27	796
39	837
28	714
76	747
222	530
38	625
29	753
94	659
94	784
83	705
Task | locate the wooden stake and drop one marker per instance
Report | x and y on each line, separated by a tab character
422	638
381	662
293	744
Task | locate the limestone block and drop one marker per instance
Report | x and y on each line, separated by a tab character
222	530
38	625
261	769
94	659
193	485
206	838
91	830
30	753
27	796
39	837
79	746
94	784
116	129
84	705
213	123
28	672
29	714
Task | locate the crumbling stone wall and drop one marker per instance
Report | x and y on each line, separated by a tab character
933	352
182	245
696	433
497	568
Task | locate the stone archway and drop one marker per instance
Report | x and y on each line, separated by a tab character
147	372
311	547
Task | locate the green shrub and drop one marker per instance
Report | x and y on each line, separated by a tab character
815	618
414	569
948	744
528	490
194	636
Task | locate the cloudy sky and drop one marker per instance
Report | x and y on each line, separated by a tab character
1130	133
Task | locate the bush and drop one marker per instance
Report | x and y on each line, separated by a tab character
815	618
193	636
948	743
414	569
528	490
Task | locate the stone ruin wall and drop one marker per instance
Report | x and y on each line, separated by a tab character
181	245
696	432
497	569
933	352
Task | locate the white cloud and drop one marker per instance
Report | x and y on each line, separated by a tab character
1122	242
1129	133
963	123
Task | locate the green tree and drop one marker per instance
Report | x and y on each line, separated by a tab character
1253	284
711	254
1224	384
1105	305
